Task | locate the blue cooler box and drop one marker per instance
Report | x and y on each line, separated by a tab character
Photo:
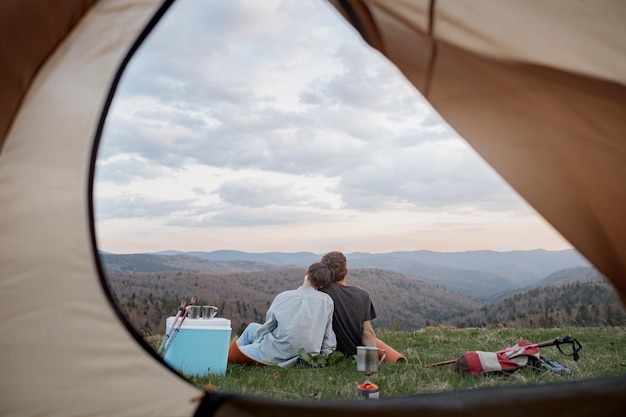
200	347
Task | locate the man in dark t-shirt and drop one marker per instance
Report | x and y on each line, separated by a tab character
354	310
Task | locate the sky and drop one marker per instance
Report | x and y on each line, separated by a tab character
272	126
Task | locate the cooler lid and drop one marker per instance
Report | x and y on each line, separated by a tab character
201	324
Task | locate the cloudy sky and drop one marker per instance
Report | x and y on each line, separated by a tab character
271	126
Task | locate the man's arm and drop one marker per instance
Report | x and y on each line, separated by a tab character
369	335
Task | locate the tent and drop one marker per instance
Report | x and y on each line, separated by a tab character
538	88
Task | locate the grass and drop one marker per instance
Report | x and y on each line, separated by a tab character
603	354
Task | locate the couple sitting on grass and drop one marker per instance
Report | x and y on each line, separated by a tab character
324	314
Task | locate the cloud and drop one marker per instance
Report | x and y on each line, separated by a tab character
262	216
137	207
257	192
247	113
124	169
431	176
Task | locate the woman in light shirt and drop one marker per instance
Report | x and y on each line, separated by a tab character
300	318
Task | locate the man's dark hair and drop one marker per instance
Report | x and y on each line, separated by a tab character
337	263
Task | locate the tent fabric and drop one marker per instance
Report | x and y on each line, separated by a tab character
65	351
547	113
601	397
537	88
29	32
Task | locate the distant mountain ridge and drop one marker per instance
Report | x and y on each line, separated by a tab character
145	262
474	273
270	258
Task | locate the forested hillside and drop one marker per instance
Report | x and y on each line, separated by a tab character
575	304
401	303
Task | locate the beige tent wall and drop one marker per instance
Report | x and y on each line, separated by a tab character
537	88
29	32
547	113
64	351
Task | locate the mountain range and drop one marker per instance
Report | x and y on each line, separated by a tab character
460	289
473	273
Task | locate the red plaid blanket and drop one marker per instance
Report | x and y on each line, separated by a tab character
477	362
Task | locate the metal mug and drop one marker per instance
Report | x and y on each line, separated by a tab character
367	359
193	312
208	312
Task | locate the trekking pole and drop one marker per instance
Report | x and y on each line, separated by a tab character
177	329
432	365
181	309
576	347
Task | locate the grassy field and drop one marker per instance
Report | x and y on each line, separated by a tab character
603	354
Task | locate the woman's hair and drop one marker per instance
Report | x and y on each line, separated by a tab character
336	261
320	274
